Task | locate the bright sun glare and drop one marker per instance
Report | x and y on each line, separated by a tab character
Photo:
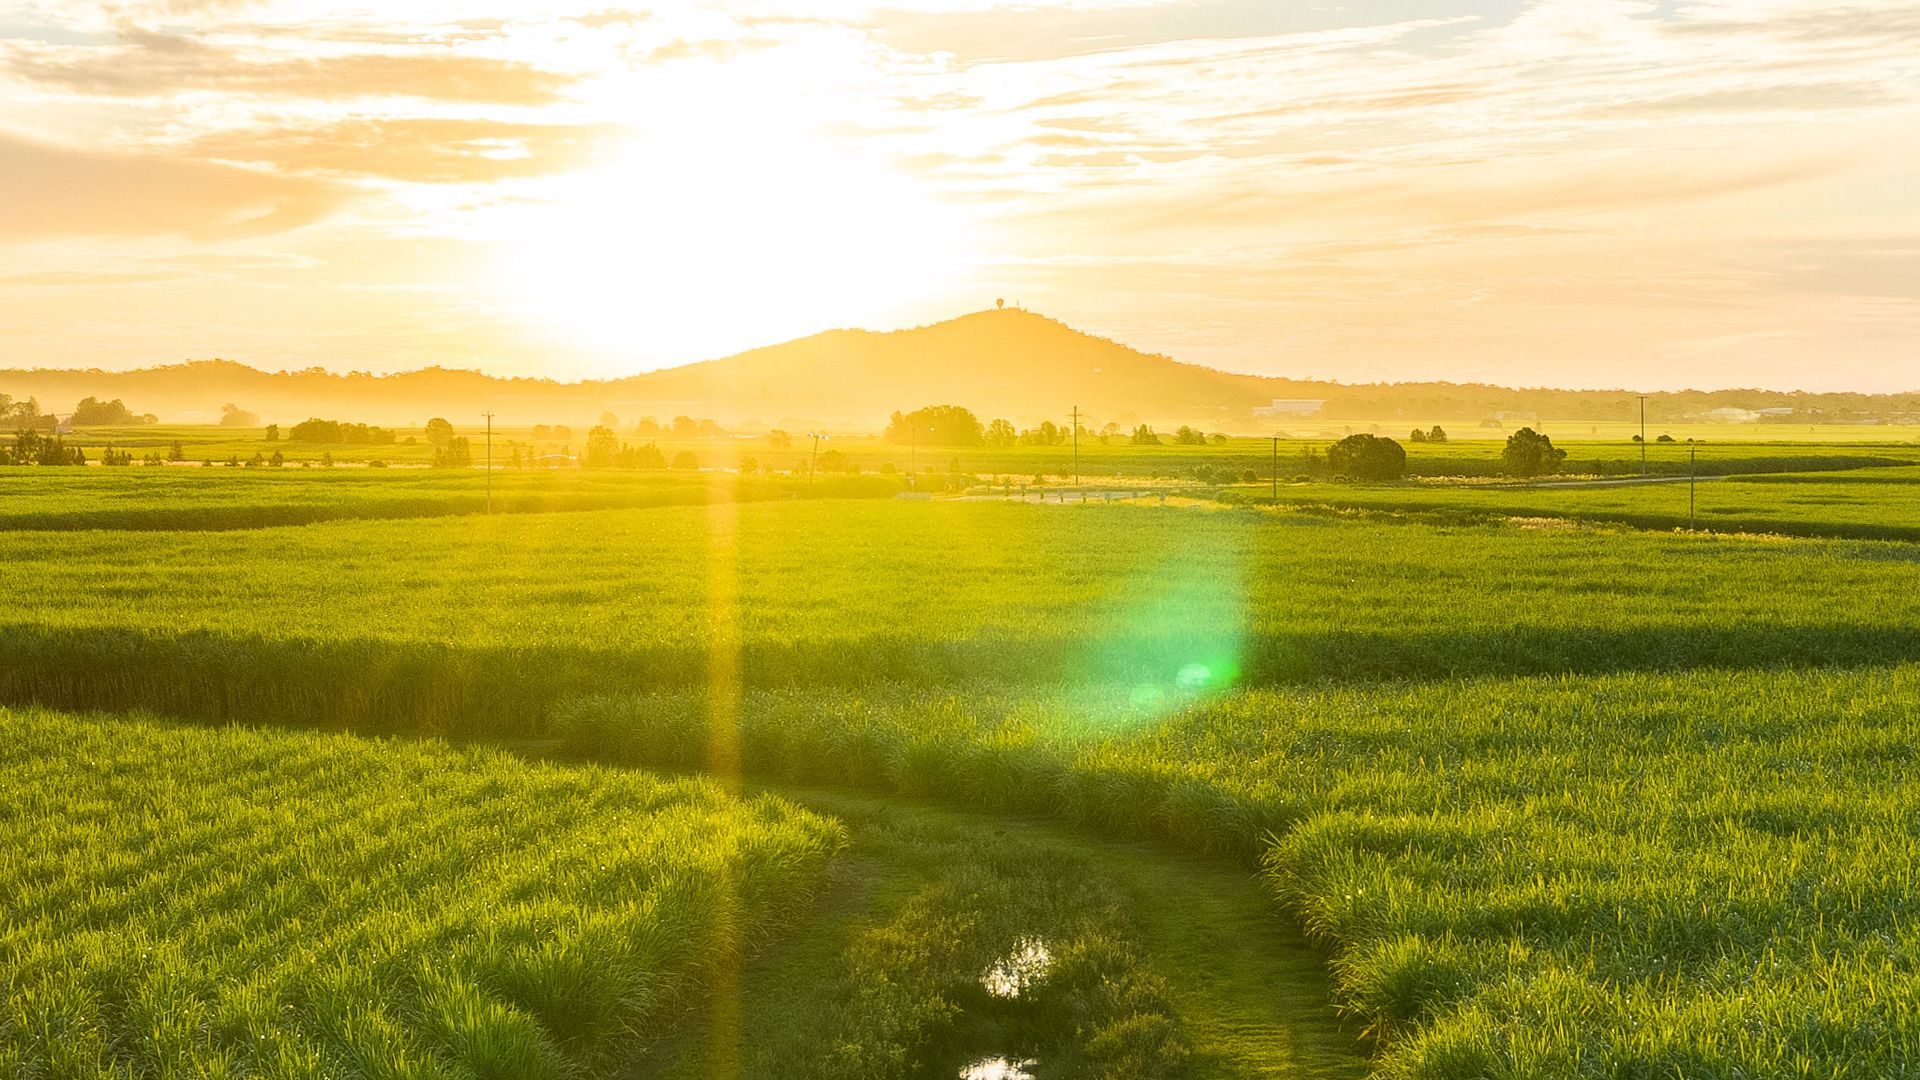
702	231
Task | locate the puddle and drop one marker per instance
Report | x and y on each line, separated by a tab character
998	1068
1011	975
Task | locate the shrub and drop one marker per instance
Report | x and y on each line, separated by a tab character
1530	453
1368	457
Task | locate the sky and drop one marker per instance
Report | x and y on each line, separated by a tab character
1650	194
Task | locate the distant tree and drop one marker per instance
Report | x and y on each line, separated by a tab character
336	432
1047	434
1000	433
608	420
603	448
748	466
326	459
647	457
935	425
1637	438
685	427
779	440
439	433
999	305
562	433
273	432
1418	436
1187	436
647	428
1664	438
1144	436
111	457
709	429
235	416
1437	434
515	462
1367	457
1218	438
833	461
686	461
259	460
1529	453
92	412
176	452
278	459
542	432
457	454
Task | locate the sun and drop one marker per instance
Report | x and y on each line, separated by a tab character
702	239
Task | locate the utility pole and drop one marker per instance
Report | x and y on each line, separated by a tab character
1276	470
813	470
1076	446
1690	484
489	463
1643	434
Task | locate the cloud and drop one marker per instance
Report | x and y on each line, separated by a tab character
417	150
50	191
145	64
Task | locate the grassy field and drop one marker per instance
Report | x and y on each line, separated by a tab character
191	499
1706	872
1557	800
430	624
188	902
1881	504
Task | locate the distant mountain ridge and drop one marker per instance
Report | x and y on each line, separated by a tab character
1011	363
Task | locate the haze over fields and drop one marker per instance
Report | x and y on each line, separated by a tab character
1010	363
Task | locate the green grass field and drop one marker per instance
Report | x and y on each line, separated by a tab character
1550	798
188	902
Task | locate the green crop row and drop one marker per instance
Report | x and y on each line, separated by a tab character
190	902
482	625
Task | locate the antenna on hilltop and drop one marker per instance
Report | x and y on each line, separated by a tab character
1000	305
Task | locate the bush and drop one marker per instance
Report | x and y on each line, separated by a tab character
1368	457
1529	453
685	460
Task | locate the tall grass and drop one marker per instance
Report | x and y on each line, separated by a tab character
232	902
1696	874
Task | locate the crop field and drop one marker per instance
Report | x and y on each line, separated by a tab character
189	902
1863	503
170	498
1546	797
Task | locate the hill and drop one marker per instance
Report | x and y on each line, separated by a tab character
1014	364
